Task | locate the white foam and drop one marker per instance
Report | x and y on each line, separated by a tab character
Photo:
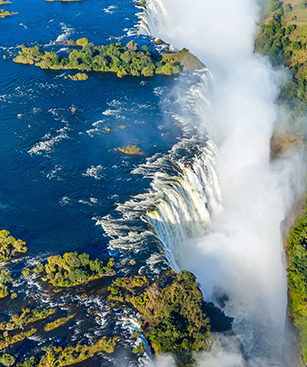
95	172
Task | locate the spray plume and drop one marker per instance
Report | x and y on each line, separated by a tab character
242	258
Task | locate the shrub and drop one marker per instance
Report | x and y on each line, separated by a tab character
274	5
81	41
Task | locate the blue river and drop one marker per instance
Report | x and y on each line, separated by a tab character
60	168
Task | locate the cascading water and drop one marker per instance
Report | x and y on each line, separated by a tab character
155	14
188	196
236	253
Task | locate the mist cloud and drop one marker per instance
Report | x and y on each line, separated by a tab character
243	256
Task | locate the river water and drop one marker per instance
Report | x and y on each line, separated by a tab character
66	186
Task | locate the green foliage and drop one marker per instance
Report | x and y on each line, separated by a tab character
57	356
296	45
82	41
28	316
173	315
9	246
5	278
184	50
7	360
26	272
109	58
287	8
303	4
9	340
297	277
274	5
5	13
130	149
55	324
38	269
32	362
78	77
72	269
284	43
138	349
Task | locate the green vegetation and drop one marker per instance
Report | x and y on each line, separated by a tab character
283	38
57	356
26	317
9	246
78	77
82	41
130	149
55	324
173	315
141	3
6	341
7	360
5	278
297	277
110	58
5	13
138	349
72	269
32	362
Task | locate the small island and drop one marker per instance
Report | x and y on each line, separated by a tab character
70	269
131	149
9	246
115	58
5	13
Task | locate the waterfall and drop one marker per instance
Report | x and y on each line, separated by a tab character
189	195
154	16
234	246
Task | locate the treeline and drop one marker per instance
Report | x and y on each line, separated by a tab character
282	41
297	277
116	58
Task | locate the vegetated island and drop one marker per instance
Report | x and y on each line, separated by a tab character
71	269
116	58
5	13
131	149
174	317
9	247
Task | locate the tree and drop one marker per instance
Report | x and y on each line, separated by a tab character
132	46
7	359
81	41
296	45
274	5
